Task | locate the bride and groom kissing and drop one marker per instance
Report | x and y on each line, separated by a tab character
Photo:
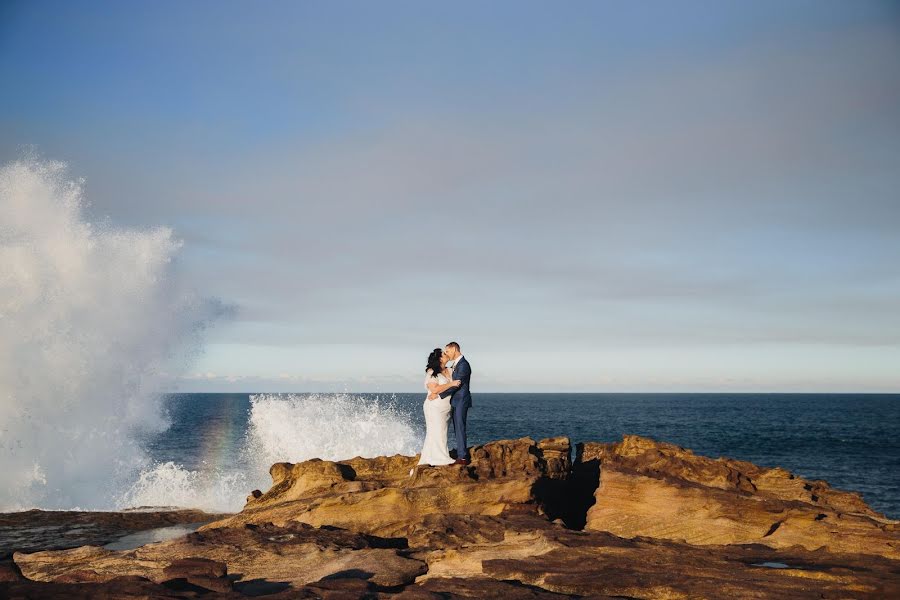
447	378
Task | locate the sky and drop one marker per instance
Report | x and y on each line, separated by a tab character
587	196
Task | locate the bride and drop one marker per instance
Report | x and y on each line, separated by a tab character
437	410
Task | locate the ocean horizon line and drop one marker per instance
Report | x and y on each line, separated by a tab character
572	393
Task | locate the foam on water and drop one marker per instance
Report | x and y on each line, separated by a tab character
282	428
92	317
294	427
93	321
171	485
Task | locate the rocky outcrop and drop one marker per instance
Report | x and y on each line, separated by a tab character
660	490
294	555
388	496
635	519
34	530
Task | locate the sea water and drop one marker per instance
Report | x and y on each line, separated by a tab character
220	446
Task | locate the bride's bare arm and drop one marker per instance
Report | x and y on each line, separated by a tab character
437	388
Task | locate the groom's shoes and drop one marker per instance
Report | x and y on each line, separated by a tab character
462	461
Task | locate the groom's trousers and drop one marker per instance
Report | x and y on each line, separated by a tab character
459	428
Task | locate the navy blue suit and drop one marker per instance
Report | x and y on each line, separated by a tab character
460	401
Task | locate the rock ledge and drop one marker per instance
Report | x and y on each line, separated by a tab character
635	519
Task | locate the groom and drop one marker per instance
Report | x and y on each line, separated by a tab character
461	399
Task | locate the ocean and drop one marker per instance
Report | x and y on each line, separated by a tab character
218	447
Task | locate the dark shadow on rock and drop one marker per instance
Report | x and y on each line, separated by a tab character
398	543
478	587
585	479
349	574
348	472
9	571
554	497
183	585
345	589
374	541
569	499
260	587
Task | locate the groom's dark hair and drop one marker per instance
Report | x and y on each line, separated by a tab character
453	345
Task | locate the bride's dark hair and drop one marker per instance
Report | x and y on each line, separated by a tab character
434	361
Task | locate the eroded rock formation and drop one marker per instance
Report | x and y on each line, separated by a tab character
660	490
635	519
294	555
388	496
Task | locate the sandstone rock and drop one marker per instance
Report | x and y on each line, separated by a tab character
660	490
378	496
661	459
200	572
195	567
596	563
297	555
532	551
339	589
659	522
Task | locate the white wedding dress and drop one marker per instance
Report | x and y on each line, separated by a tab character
437	418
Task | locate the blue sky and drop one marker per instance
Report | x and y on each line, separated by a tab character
588	196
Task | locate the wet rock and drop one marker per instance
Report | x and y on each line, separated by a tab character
33	530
